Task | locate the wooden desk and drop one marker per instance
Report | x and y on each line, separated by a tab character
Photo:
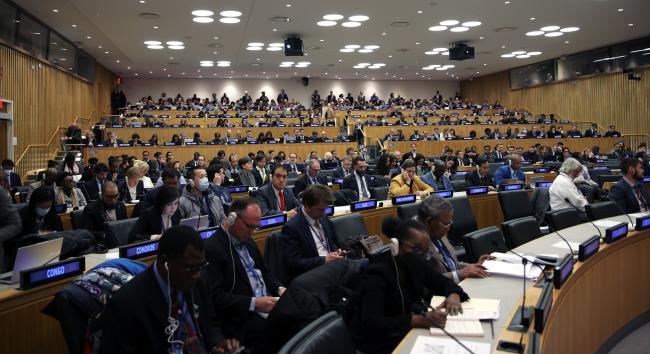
461	130
205	121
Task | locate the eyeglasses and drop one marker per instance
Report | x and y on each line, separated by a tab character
252	227
112	197
446	226
196	268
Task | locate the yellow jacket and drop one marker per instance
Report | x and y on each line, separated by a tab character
398	187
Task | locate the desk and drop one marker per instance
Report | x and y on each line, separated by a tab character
461	129
601	296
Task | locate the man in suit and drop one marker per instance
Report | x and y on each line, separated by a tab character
592	132
437	178
245	294
629	193
359	181
408	183
94	186
310	178
510	171
113	140
260	171
437	215
612	132
274	197
294	165
136	317
107	208
481	176
412	154
499	154
345	169
309	237
217	178
193	162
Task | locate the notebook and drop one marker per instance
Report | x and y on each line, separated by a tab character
459	327
474	309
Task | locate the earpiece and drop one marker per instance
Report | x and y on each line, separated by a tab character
232	218
394	245
166	267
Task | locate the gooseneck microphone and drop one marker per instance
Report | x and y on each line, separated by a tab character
624	213
562	237
600	233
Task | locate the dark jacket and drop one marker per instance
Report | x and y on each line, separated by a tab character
91	190
94	217
473	179
150	223
624	196
265	196
125	196
340	173
350	182
136	316
51	222
297	167
304	181
299	248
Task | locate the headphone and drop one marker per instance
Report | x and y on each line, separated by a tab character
173	323
394	250
231	220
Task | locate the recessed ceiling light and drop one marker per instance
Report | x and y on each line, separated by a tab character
136	74
449	22
351	24
569	29
507	55
620	10
288	5
419	11
506	2
326	23
358	18
519	52
372	46
383	33
274	49
255	44
523	56
151	43
55	10
532	19
417	43
203	19
630	24
431	52
176	47
142	1
390	56
553	34
471	24
365	51
459	29
155	27
333	17
484	64
229	20
174	43
440	49
277	44
89	37
106	52
352	46
550	28
74	25
207	64
445	53
230	13
253	48
566	42
535	33
437	28
117	61
202	13
534	53
346	50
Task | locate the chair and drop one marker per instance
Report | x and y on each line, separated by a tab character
515	204
520	231
602	210
458	177
347	227
601	179
562	218
483	241
326	334
458	185
117	232
275	259
407	211
541	203
464	221
77	220
379	193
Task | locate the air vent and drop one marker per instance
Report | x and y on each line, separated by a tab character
148	16
402	50
215	45
400	24
281	19
505	29
314	48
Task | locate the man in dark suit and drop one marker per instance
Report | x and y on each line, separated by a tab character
481	176
499	154
592	132
309	237
358	181
92	188
275	198
193	162
136	317
345	169
629	193
309	178
412	154
612	132
260	171
245	294
107	208
294	165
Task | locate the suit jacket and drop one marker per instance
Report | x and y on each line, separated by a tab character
258	177
265	196
14	180
439	264
125	196
495	158
409	155
339	173
136	316
503	172
625	198
436	183
350	182
398	187
230	295
150	223
473	179
304	181
94	217
299	167
299	247
91	190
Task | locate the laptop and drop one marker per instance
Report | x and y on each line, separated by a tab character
197	222
33	256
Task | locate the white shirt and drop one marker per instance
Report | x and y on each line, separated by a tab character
563	187
147	182
318	239
133	191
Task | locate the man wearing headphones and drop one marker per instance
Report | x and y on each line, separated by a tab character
166	308
243	290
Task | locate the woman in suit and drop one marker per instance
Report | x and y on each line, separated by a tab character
391	297
158	218
132	188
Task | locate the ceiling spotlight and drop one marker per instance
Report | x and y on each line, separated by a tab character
155	47
203	19
449	22
569	29
519	52
431	52
274	49
352	46
276	44
550	28
55	10
202	13
346	50
255	44
351	24
507	56
371	46
333	17
535	33
358	18
152	43
620	10
440	49
365	50
230	13
534	53
176	47
326	23
253	48
445	53
459	29
524	56
174	43
437	28
229	20
553	34
471	24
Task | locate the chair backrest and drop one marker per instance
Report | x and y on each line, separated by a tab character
464	221
458	177
562	218
77	219
601	179
520	231
347	227
379	193
407	211
541	203
274	258
458	185
602	210
595	174
117	232
515	204
483	241
494	167
327	334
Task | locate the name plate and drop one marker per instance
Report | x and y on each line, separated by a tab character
329	211
543	307
511	187
272	221
207	233
31	278
562	271
123	145
542	170
642	223
444	194
139	250
337	180
644	180
588	248
615	233
238	189
543	184
364	205
404	199
477	190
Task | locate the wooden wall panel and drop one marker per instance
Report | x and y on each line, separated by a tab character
604	99
46	97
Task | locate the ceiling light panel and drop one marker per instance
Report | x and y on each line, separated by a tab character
330	20
202	13
455	25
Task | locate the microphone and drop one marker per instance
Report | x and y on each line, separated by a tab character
580	211
562	237
624	213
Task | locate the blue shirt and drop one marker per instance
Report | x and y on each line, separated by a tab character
254	275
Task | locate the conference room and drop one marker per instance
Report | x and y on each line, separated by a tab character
324	177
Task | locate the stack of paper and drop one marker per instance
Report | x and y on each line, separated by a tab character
435	345
459	327
495	267
475	308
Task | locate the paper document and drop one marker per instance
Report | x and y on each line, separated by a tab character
512	270
639	215
511	258
563	245
437	345
606	223
474	309
341	209
459	327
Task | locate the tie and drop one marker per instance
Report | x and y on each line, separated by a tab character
364	188
450	264
313	180
639	196
281	195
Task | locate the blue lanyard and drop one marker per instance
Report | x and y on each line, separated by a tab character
250	268
449	261
323	240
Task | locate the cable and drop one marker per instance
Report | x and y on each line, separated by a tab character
399	287
173	323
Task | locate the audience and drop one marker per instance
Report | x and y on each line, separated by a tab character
358	181
107	208
481	175
132	188
156	219
198	200
437	178
510	172
67	193
310	178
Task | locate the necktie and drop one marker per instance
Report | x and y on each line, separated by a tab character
313	180
450	264
639	196
364	188
281	196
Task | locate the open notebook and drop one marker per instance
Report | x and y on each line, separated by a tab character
474	309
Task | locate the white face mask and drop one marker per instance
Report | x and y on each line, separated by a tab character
204	184
41	212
